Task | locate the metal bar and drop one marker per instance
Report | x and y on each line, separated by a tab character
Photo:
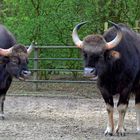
56	81
35	74
56	47
105	26
136	28
66	70
75	59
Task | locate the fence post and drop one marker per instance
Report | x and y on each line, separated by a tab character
137	26
35	74
105	26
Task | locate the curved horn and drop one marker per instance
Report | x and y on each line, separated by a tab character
75	37
5	52
117	39
29	50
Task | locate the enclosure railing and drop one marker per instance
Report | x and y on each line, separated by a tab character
36	68
36	58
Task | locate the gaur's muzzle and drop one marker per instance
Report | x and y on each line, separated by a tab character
91	73
24	74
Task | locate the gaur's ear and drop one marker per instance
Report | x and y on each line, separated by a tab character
114	54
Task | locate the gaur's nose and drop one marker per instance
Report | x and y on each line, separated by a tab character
88	72
26	73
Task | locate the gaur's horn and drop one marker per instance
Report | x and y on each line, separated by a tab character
75	36
5	52
117	39
29	50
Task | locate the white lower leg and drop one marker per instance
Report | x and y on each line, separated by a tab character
137	106
120	126
2	98
2	115
110	124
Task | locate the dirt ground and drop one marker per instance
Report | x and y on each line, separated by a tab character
63	117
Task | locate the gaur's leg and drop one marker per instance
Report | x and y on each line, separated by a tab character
109	107
2	99
137	107
110	125
122	108
3	92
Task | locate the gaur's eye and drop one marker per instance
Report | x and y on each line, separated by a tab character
85	54
27	61
95	57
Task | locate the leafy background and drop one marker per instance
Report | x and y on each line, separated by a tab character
50	22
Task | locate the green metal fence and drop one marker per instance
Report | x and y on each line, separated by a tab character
36	58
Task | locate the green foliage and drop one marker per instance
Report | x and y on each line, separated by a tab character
50	22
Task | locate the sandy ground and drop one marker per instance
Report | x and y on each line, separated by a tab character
60	118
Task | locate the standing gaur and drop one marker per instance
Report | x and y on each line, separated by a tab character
13	63
114	60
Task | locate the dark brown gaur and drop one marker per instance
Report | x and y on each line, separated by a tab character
113	59
13	63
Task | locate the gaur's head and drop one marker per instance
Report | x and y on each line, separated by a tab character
95	48
15	60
